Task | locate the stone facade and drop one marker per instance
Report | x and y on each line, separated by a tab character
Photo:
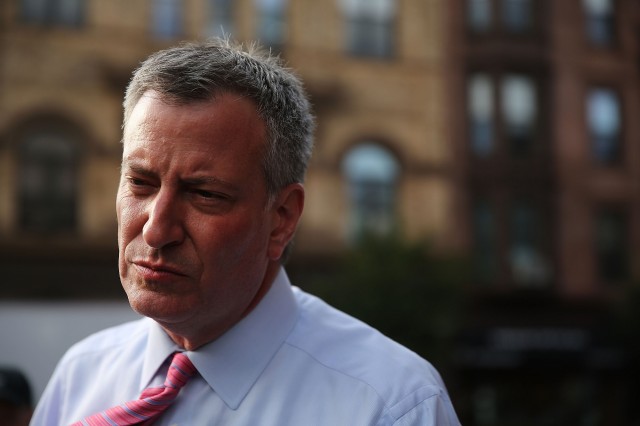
77	75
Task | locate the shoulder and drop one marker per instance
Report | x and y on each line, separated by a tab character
336	337
108	341
402	379
72	388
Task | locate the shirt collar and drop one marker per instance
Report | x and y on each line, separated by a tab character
233	362
159	347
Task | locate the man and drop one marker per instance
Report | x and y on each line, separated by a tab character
216	143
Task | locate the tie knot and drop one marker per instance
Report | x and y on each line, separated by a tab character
152	401
180	370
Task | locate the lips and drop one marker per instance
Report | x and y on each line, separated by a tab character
155	271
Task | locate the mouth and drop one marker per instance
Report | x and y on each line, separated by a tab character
151	271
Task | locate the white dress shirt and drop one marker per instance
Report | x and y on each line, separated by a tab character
293	360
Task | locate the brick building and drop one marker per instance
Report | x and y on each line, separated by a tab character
549	93
502	129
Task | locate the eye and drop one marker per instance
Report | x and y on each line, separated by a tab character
204	194
209	195
136	181
139	186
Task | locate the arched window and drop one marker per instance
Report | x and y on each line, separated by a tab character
372	173
47	181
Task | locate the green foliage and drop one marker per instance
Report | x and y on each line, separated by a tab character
402	289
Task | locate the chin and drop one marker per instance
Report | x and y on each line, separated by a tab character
158	306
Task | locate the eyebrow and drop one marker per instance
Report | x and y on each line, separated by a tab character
207	180
135	168
193	181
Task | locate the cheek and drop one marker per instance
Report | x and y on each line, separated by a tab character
234	241
128	209
123	227
130	221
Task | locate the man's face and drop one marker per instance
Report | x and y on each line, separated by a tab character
195	226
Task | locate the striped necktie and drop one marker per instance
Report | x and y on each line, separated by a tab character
152	401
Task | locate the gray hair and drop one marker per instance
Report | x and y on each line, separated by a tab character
194	72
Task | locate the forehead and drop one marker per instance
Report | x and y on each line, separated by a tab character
227	117
224	136
152	102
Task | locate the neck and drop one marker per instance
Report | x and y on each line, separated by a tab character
191	338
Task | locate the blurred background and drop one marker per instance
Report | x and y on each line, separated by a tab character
474	191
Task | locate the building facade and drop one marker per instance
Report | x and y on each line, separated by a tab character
374	71
505	130
548	94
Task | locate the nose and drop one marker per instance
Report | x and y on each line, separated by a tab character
164	226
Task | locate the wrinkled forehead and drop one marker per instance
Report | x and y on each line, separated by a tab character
230	122
205	95
154	99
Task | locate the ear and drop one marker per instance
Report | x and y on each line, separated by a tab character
286	211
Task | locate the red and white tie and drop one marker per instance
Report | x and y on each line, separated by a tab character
152	401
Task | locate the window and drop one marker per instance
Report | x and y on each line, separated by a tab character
371	172
272	29
479	15
481	114
221	20
510	237
370	25
518	101
604	121
600	22
47	181
485	255
612	245
517	15
528	264
502	16
167	18
68	13
519	111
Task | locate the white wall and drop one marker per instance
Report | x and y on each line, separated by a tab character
33	336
